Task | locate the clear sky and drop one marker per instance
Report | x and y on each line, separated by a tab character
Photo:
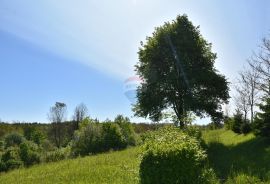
83	51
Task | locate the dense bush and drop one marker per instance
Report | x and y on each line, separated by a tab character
29	153
171	156
93	137
193	131
87	140
127	130
11	159
112	137
13	139
245	128
33	134
1	145
57	155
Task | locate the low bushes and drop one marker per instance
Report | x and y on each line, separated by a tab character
29	153
13	139
87	140
171	156
10	159
57	155
95	137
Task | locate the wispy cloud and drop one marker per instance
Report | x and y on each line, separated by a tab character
100	35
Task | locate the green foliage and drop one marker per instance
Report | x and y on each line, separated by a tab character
127	130
237	122
112	137
245	128
46	146
262	119
11	159
228	123
193	131
87	140
167	64
2	145
29	153
31	133
94	137
57	155
13	139
171	156
243	179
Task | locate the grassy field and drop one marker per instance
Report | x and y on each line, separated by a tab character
116	167
229	154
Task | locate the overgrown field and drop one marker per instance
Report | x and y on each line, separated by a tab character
233	158
116	167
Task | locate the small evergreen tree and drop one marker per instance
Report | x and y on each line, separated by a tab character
262	119
237	121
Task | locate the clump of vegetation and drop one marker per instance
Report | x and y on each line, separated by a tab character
243	178
13	139
262	119
87	139
93	137
57	155
29	153
11	159
238	124
171	156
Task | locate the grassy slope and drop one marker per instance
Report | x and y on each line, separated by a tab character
117	167
231	154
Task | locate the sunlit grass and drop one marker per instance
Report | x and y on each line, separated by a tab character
238	156
116	167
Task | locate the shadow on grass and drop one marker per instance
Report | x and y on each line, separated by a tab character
251	157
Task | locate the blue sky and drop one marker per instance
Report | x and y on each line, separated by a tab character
83	51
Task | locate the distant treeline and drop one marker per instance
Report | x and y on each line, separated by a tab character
19	127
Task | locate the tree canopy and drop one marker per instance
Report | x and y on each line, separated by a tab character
177	67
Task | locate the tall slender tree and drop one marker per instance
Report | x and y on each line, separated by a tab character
57	115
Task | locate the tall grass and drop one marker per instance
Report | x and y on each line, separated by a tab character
238	157
116	167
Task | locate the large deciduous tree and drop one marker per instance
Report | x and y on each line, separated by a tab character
177	67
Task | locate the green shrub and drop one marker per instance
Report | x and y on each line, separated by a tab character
1	145
11	158
13	139
57	155
3	166
46	146
262	119
33	134
112	137
245	128
237	122
29	153
127	130
193	131
171	156
88	139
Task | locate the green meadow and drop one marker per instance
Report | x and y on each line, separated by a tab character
233	158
